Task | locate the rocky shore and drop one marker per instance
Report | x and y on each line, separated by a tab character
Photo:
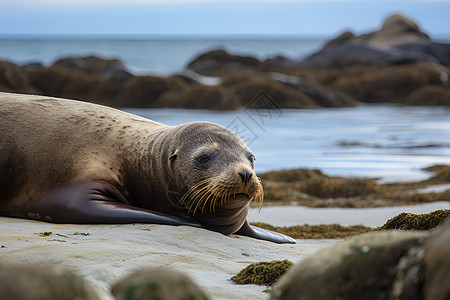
398	63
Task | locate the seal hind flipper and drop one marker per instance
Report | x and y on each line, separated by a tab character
98	203
264	234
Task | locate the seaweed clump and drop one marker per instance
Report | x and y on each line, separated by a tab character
334	231
409	221
262	273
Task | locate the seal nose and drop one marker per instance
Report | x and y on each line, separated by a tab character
245	176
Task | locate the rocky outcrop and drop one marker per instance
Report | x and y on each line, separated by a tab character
399	41
383	265
220	62
398	63
12	79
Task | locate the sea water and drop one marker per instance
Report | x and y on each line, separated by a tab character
151	55
383	141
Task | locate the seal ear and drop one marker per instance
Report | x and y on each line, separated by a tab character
173	156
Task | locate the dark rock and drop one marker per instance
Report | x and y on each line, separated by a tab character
385	84
437	264
364	267
285	92
383	265
399	41
66	83
110	68
324	97
143	91
219	62
29	282
158	284
13	79
431	94
200	96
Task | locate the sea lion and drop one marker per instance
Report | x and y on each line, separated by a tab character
67	161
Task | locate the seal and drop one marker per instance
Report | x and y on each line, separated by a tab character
66	161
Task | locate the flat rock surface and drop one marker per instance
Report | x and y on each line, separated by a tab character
103	254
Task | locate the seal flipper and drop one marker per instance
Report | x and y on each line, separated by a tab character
264	234
99	203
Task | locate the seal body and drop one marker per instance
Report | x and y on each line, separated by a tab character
67	161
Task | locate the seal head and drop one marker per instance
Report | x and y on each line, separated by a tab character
214	171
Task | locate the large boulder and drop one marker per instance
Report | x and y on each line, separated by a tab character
284	92
13	79
399	41
220	62
108	68
386	83
382	265
42	282
157	284
199	96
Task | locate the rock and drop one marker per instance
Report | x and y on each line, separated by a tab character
430	94
248	88
399	41
144	91
38	282
13	79
437	264
383	265
62	82
219	62
200	96
385	84
109	68
396	29
158	284
284	92
363	267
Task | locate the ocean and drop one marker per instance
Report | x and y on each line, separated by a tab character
389	142
151	55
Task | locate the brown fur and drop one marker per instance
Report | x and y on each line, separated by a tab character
47	142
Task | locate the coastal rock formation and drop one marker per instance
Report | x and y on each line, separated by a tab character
384	265
220	62
399	41
391	64
398	63
12	79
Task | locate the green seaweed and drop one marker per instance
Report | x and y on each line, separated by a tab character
409	221
262	273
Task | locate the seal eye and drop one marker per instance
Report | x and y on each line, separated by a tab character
203	159
252	159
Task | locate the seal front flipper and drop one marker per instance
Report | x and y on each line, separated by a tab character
99	203
264	234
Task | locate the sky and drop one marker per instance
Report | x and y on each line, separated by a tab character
215	17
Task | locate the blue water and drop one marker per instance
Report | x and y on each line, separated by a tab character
396	141
159	56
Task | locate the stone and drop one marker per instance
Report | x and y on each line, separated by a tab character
42	282
157	284
364	267
219	62
200	96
